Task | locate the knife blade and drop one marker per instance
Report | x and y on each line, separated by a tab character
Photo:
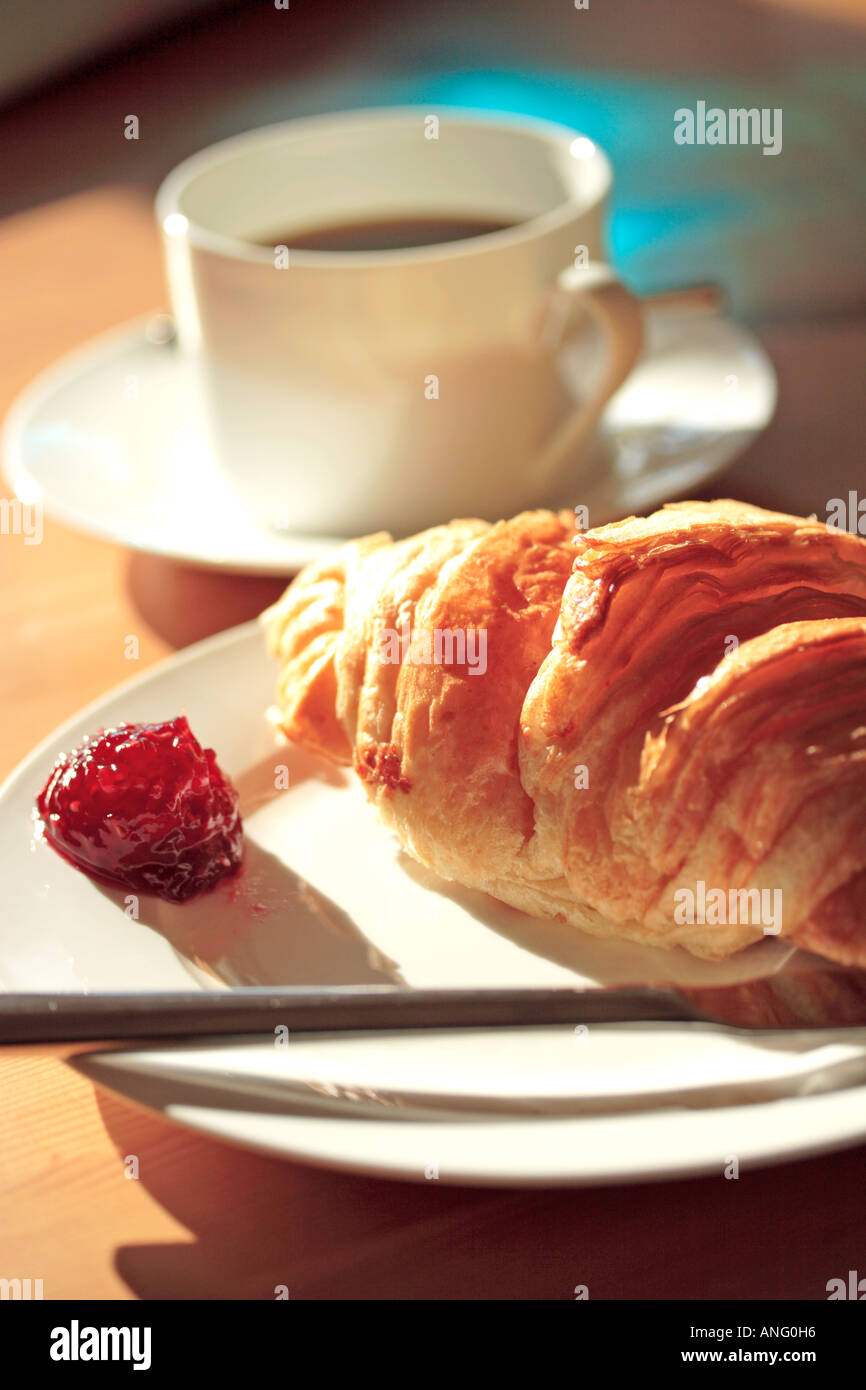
812	998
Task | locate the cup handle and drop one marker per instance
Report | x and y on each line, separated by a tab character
595	289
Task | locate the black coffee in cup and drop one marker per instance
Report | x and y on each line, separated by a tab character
384	234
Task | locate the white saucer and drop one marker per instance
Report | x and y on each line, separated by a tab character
111	439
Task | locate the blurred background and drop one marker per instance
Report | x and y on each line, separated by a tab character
783	234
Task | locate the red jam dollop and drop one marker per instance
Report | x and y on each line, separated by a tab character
144	806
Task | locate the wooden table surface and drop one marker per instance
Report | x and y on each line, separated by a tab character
207	1220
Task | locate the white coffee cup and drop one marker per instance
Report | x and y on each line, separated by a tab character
365	390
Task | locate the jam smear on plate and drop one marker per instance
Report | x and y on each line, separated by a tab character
144	806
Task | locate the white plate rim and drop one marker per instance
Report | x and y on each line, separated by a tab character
300	1139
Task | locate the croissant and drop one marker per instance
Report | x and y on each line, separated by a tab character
654	730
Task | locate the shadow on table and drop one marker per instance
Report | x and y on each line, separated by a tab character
257	1223
183	604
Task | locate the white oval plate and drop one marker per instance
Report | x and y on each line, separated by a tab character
112	439
327	897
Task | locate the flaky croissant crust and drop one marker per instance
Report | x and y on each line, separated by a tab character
667	701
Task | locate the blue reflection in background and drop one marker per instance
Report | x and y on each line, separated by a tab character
781	234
